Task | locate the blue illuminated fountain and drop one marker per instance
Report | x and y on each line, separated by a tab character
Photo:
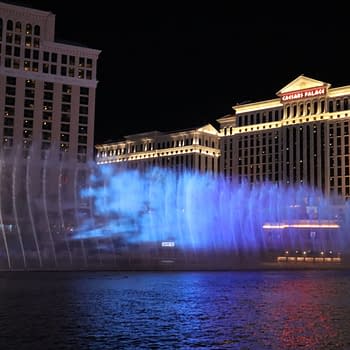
56	214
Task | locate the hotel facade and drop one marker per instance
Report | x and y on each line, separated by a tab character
300	137
196	149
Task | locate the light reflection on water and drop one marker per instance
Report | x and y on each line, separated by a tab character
175	310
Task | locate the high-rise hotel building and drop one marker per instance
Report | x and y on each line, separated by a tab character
47	111
300	137
47	88
196	149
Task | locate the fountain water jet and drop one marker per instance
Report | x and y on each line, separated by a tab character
82	216
203	214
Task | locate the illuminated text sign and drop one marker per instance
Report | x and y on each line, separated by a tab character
307	93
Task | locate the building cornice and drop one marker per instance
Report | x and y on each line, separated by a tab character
256	106
70	49
17	12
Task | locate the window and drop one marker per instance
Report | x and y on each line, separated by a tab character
65	118
10	101
17	51
47	115
36	42
66	88
82	149
48	95
28	113
46	125
65	127
82	139
29	93
83	120
9	25
65	108
47	106
83	110
84	91
48	86
37	30
35	66
8	62
17	39
64	137
28	103
46	135
8	121
28	41
82	129
10	90
8	132
28	29
16	63
18	28
66	98
28	123
11	80
84	100
30	83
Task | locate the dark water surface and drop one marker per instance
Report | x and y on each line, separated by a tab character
175	310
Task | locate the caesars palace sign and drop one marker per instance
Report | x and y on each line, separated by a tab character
307	93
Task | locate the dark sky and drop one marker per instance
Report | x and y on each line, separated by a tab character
170	65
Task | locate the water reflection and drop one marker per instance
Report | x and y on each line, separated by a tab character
176	310
306	312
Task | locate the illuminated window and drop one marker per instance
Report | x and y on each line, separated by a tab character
28	29
28	41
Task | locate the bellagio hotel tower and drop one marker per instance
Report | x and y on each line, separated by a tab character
47	88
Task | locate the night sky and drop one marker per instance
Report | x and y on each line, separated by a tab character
171	65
